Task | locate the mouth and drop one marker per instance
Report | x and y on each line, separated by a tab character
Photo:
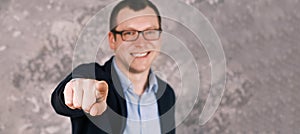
140	54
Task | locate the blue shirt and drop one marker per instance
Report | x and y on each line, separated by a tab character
143	116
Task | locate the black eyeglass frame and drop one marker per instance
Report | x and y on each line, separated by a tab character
121	33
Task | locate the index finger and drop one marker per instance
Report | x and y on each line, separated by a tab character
102	86
101	91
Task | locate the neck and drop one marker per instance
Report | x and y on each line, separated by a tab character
138	79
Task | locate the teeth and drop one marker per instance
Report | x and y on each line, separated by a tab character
139	54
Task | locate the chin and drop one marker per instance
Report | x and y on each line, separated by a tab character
138	69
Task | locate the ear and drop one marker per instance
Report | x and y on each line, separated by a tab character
112	41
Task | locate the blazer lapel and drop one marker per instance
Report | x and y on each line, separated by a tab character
119	97
165	105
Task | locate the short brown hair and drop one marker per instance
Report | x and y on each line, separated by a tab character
135	5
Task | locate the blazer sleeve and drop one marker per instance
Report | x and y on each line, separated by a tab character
58	103
89	71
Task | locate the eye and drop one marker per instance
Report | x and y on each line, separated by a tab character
150	32
129	33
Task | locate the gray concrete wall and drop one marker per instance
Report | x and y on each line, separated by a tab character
259	37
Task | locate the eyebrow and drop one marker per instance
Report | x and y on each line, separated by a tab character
148	28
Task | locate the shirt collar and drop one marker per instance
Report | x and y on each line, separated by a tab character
127	84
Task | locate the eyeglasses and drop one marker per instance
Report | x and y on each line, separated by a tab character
133	35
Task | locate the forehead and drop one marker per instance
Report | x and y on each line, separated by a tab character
128	18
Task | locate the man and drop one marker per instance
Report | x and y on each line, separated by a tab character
123	95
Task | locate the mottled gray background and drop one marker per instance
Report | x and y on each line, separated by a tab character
259	37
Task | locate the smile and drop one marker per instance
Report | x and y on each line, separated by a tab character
139	55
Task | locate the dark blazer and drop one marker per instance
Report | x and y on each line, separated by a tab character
113	120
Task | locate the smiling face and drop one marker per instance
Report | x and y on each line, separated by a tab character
135	56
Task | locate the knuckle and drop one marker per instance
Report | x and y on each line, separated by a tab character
86	109
67	102
67	87
77	105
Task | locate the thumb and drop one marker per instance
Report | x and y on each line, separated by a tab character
101	90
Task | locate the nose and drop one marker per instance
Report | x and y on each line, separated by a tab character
140	41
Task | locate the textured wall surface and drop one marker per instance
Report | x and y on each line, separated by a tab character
259	37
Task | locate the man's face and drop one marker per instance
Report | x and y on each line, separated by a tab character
137	55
